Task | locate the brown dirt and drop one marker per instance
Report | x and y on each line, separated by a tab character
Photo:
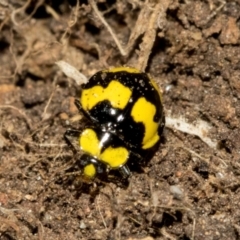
187	191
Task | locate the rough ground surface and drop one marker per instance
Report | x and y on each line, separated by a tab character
187	191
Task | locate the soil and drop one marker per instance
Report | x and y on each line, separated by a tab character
188	190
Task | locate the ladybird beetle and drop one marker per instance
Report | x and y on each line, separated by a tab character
124	110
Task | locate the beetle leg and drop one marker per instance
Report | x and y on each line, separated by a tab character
85	113
125	171
71	133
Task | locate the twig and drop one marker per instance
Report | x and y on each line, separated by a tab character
148	39
201	128
28	121
104	223
104	22
44	114
214	13
72	72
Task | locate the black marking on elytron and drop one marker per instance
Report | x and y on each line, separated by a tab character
104	113
139	83
109	139
120	121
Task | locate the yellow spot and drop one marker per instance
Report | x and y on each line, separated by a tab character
116	93
144	111
151	142
89	142
125	69
115	157
89	171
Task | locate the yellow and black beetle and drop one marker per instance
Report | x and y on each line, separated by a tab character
126	119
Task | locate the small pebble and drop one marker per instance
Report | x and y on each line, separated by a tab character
176	191
82	225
